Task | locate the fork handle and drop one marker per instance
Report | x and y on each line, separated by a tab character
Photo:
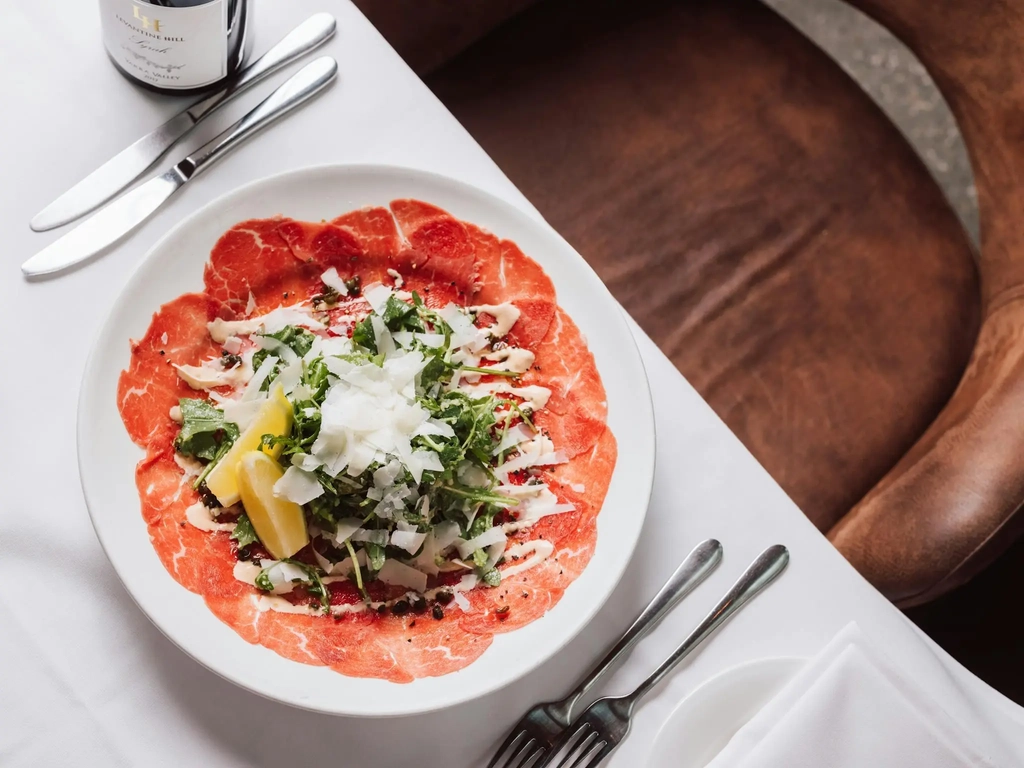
762	572
704	558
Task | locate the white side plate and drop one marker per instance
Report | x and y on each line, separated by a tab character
700	727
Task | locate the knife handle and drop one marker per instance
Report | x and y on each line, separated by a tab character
308	81
310	34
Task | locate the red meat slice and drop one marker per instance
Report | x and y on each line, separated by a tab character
507	274
375	231
253	257
151	385
201	562
532	593
576	412
440	254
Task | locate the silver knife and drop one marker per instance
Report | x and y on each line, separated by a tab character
122	169
123	215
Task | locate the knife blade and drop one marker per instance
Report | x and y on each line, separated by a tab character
116	220
126	166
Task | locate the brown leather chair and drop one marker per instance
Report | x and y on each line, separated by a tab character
781	242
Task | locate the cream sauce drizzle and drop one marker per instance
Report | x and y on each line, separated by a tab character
536	395
505	316
200	516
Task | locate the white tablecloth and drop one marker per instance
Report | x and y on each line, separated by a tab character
86	680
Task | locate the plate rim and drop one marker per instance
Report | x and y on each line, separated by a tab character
644	412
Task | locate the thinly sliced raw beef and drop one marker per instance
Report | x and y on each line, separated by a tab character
440	259
151	385
426	249
375	231
253	257
507	274
577	411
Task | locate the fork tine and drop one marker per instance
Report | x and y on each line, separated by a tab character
596	759
567	738
522	755
530	762
578	749
506	745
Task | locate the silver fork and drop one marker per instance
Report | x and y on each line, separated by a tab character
534	734
605	723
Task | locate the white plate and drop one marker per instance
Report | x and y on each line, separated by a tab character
700	727
107	457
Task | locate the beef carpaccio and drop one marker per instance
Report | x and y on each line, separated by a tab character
463	509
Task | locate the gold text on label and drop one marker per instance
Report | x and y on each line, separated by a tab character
146	21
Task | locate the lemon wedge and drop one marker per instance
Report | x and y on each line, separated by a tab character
279	523
273	418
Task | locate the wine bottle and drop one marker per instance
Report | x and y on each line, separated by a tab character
176	46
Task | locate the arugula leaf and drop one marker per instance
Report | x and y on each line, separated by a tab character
314	583
244	533
298	339
398	315
263	581
204	431
362	334
489	576
374	556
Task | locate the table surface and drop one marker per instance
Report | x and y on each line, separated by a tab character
78	660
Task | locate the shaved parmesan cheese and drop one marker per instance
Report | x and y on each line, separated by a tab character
377	295
250	305
210	374
289	377
382	336
435	427
298	485
379	537
272	322
400	575
242	412
520	433
221	329
175	414
332	279
505	316
282	574
410	541
345	528
232	345
399	282
461	601
445	533
464	333
487	538
278	348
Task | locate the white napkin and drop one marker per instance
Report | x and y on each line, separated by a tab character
848	708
